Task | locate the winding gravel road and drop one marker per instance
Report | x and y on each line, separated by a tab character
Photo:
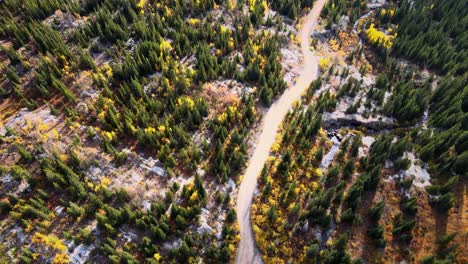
248	252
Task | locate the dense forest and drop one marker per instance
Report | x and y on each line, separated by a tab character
354	193
126	127
128	77
433	34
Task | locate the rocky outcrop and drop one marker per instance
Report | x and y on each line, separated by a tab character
339	119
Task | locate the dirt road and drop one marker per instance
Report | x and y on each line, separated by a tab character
248	252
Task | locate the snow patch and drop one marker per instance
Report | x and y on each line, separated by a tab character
80	253
422	176
204	227
366	143
328	158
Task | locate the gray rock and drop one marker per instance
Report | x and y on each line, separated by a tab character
305	227
205	228
159	171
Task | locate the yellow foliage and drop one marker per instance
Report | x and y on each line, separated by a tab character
275	147
231	43
29	227
302	187
43	127
47	59
107	70
223	29
230	5
107	102
49	240
296	103
167	11
277	260
46	223
105	182
251	4
263	210
141	4
314	186
44	137
391	12
333	44
74	125
318	172
109	135
296	191
133	129
295	39
232	248
265	5
63	157
194	22
150	130
324	63
63	59
156	256
241	178
194	197
222	117
256	229
232	109
165	45
271	201
66	70
186	101
61	258
378	38
271	159
28	125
